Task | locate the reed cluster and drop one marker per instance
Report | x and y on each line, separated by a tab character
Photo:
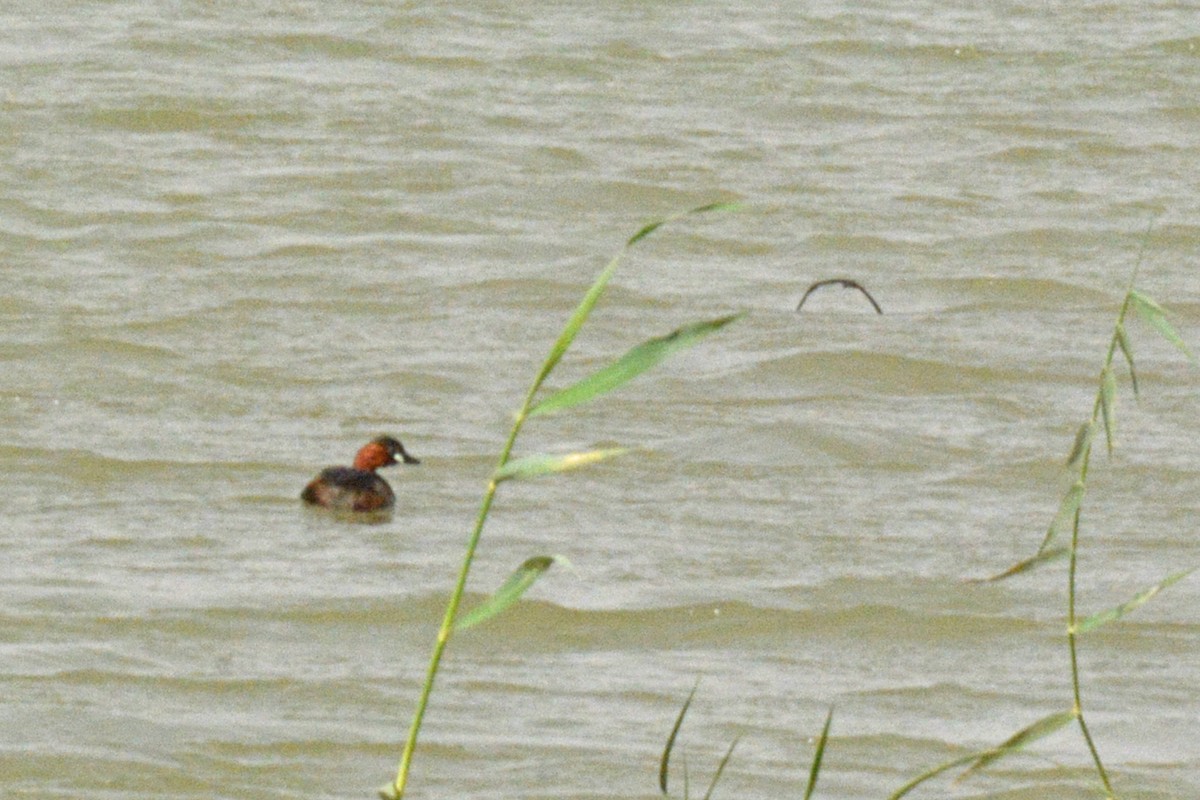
619	372
1062	539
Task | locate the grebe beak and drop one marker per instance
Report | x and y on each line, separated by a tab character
409	459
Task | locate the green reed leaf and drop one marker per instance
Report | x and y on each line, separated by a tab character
1065	516
1083	440
509	592
1108	398
933	773
651	227
1127	351
1042	557
1038	730
629	366
1154	314
1041	728
815	770
576	320
664	762
1104	617
584	309
721	767
536	466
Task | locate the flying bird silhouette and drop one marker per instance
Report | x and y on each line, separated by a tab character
844	282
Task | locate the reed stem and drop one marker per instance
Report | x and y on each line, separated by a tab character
1072	570
395	790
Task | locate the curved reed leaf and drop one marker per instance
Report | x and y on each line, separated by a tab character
644	231
575	321
1104	617
592	296
1154	314
651	227
1108	397
1038	730
629	366
536	466
1042	557
1065	516
1144	304
509	592
1127	351
664	762
1083	440
815	770
933	773
721	767
982	758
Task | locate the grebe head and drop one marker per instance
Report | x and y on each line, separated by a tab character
381	452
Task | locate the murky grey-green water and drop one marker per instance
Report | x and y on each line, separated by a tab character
238	239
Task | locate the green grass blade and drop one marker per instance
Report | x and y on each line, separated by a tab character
630	365
651	227
815	770
536	466
933	773
1083	440
1108	397
721	768
1042	557
1065	517
665	761
509	592
1038	730
1127	351
1104	617
1154	314
1145	304
584	309
576	320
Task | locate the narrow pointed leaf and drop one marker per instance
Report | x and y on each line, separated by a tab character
1154	314
815	770
629	366
1042	557
536	466
1108	396
508	593
576	320
933	773
721	768
1127	351
664	763
1038	730
651	227
584	309
1144	304
1104	617
1065	517
644	231
1083	440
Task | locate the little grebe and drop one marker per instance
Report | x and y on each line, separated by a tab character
358	488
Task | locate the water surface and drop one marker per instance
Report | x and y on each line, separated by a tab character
241	239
